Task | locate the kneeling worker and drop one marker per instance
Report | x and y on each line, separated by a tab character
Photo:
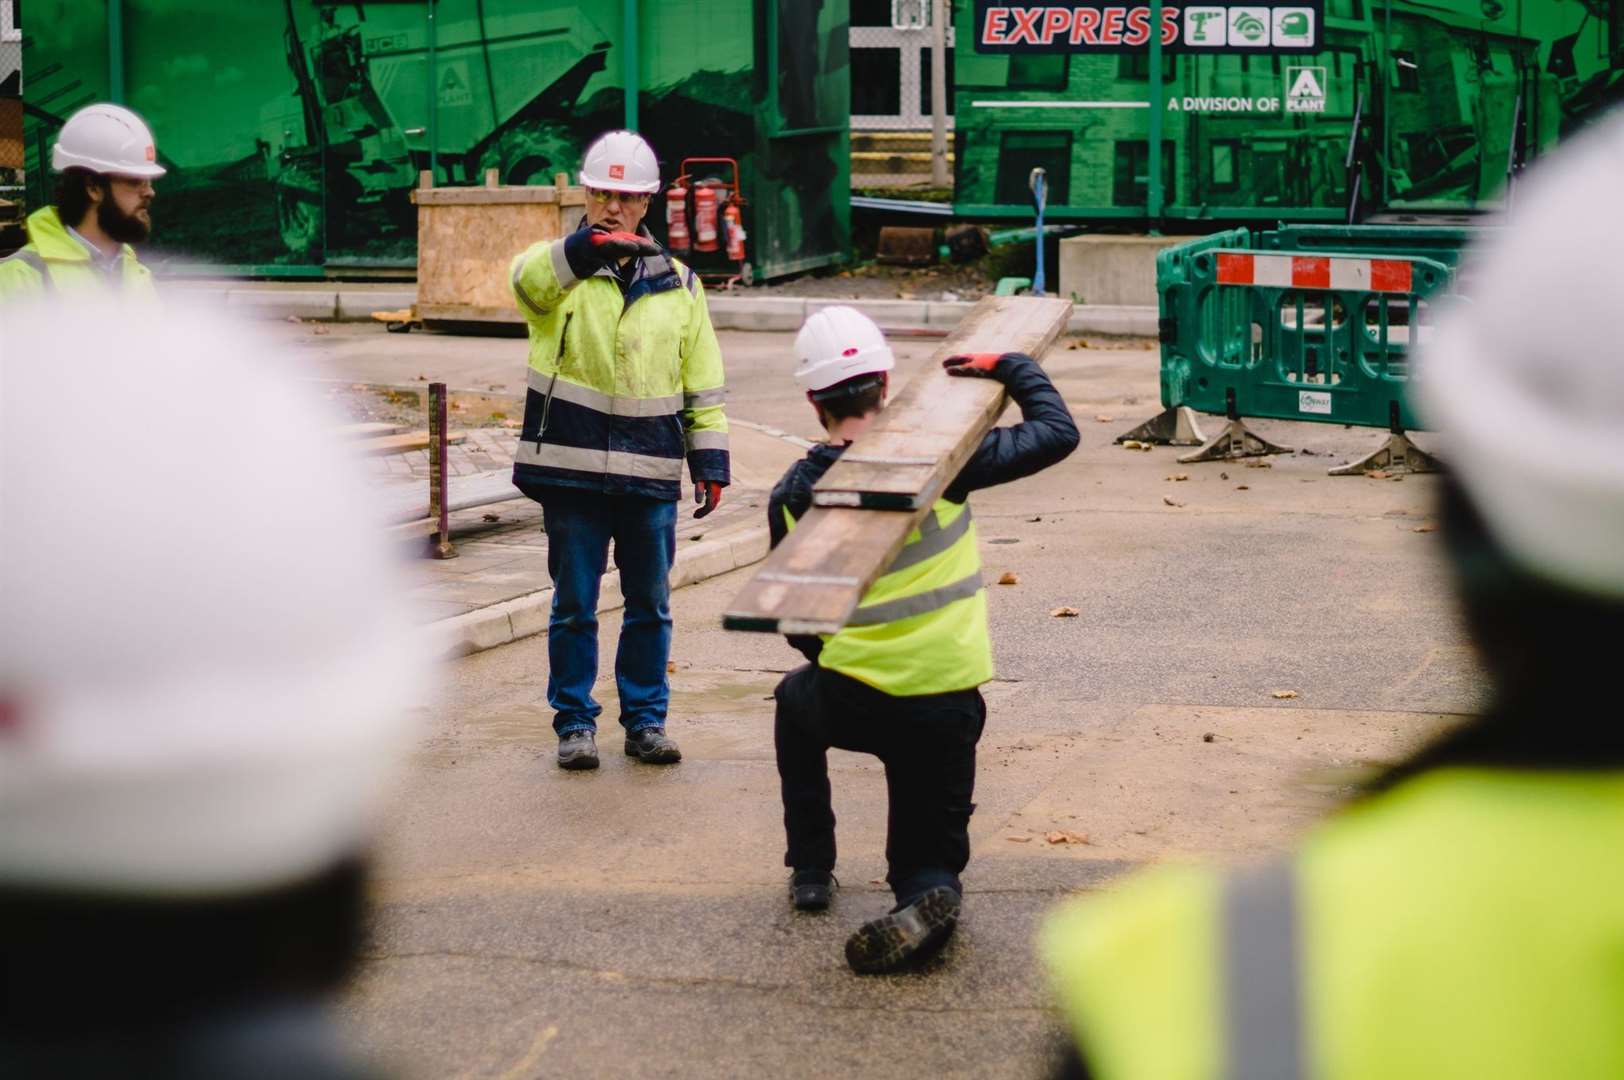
900	680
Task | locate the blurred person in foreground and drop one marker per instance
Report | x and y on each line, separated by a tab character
1464	919
105	162
204	684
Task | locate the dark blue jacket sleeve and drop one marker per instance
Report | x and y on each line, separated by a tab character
794	494
1045	435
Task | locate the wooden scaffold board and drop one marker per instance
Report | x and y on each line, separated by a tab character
885	483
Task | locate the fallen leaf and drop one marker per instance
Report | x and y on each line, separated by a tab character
1034	520
1208	737
1131	444
1243	487
876	881
1376	474
1065	836
1170	501
1104	418
1259	463
1065	613
1019	839
1223	476
670	667
510	423
1306	452
1395	479
1426	527
1009	577
1177	476
422	378
493	517
1284	695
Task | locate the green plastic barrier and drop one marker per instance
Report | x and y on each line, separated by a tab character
1285	327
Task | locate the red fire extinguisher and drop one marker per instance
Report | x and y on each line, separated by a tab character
735	232
705	218
676	217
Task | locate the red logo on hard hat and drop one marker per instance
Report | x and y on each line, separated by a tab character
849	352
617	172
152	153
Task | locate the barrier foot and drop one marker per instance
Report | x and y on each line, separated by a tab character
1235	441
1396	454
1170	427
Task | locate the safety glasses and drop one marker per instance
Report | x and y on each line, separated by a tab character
625	198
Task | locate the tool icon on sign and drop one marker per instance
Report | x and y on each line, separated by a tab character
1249	27
1205	26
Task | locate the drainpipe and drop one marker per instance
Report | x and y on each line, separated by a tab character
115	51
1153	207
628	63
433	81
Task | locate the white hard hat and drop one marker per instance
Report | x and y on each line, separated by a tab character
1525	381
838	343
621	161
205	672
107	139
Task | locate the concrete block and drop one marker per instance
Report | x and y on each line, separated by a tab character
701	561
750	548
357	305
528	614
946	313
1112	270
1128	321
281	303
474	632
887	314
756	312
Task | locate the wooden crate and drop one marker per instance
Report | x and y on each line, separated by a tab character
467	237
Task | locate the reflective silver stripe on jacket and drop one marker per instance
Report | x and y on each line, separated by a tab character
701	399
933	540
706	440
32	260
576	394
612	462
1262	994
518	289
905	606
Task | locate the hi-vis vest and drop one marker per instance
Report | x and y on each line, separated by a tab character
54	262
623	388
1467	925
922	627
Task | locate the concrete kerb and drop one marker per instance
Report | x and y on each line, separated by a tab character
524	616
727	312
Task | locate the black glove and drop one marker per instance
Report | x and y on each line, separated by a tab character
1000	366
589	249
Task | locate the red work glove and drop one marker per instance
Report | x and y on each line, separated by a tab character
708	494
588	249
982	365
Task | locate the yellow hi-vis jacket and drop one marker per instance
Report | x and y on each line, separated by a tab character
623	386
1466	925
53	261
921	628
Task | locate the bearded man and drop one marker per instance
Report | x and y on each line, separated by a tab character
105	162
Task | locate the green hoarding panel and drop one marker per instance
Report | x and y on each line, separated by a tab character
295	130
1418	104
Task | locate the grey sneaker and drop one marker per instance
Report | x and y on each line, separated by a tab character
652	747
577	750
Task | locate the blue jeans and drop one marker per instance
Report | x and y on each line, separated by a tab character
580	526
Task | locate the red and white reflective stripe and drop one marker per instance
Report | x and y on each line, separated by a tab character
1314	272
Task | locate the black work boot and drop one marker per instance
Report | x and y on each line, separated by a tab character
577	750
906	937
811	890
651	746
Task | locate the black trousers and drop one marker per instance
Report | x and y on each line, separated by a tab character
928	746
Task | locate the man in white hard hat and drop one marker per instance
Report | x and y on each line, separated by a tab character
625	384
901	680
105	161
1462	919
198	718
